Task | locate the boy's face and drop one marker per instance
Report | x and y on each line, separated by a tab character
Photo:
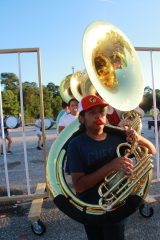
94	118
73	107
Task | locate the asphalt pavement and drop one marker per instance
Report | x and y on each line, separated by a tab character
14	222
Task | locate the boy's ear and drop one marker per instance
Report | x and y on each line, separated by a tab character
81	119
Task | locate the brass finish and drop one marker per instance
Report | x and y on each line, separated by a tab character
65	90
135	119
113	66
87	87
75	85
105	71
118	186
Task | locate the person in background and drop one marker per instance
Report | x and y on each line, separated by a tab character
139	111
114	117
61	113
91	156
141	114
20	118
69	117
38	125
7	137
151	113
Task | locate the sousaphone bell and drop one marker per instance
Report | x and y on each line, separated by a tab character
65	90
113	66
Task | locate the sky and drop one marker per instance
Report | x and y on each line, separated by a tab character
57	27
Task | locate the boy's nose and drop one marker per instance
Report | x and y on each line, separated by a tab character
99	114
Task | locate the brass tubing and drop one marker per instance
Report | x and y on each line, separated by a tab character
108	179
145	164
138	165
136	175
128	191
112	188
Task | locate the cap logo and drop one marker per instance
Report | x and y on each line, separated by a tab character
92	100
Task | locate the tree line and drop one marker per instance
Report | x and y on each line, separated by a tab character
51	97
31	97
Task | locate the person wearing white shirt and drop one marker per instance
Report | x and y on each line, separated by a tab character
69	117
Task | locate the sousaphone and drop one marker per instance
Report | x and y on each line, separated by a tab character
75	85
87	88
81	85
113	68
65	90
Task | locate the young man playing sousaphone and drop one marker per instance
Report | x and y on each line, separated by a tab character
91	156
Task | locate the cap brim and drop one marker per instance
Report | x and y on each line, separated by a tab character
89	107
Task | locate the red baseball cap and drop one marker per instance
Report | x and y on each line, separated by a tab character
89	102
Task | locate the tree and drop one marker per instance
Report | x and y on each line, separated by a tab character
56	105
10	82
147	101
10	103
31	100
47	99
148	90
29	84
53	89
158	97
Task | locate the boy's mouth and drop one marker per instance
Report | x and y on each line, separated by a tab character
100	121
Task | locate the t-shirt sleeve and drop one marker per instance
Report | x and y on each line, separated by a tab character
61	121
38	123
74	160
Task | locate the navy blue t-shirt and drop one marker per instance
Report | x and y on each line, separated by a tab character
85	154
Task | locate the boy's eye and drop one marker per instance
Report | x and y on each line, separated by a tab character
104	112
92	112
